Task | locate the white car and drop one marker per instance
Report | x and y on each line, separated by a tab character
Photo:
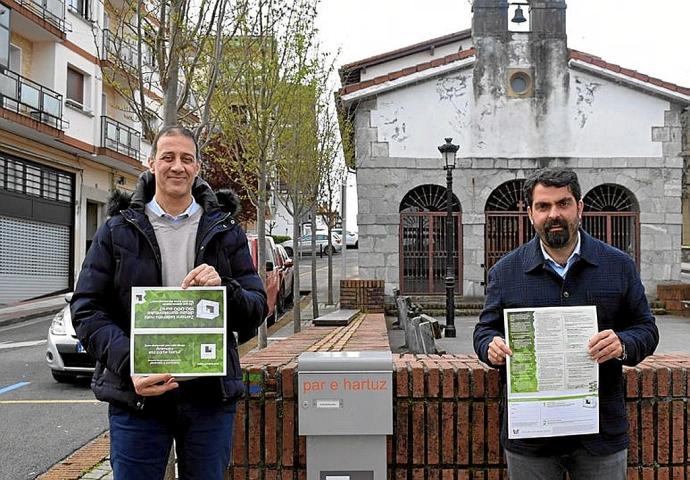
304	243
351	240
65	354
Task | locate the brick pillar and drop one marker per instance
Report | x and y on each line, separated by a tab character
365	295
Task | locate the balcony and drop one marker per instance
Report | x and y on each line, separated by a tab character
124	53
120	138
30	99
50	14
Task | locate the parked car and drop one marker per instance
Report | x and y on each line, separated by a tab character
351	240
287	274
304	244
65	354
272	283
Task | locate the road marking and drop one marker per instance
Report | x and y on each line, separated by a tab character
9	388
30	343
25	402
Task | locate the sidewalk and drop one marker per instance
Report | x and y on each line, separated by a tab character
31	309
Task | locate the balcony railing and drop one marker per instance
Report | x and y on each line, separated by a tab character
52	11
122	51
31	99
120	138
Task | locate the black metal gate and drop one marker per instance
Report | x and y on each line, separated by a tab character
423	252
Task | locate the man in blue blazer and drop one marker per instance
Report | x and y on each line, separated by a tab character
564	266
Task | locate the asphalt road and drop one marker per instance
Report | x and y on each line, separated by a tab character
41	421
351	259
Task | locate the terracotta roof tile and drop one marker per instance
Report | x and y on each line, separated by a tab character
577	55
453	57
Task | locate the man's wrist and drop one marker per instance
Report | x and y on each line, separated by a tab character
624	355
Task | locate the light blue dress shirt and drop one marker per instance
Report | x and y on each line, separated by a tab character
191	210
557	267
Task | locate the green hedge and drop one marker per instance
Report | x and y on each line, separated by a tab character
280	238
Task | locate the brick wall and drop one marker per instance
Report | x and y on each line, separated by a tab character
445	412
365	295
672	294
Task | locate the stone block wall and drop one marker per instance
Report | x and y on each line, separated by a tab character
656	183
445	414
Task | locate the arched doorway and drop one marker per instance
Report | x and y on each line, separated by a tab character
507	223
423	235
612	215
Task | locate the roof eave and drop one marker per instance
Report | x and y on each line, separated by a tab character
417	77
630	81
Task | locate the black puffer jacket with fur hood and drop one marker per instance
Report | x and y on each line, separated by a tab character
124	253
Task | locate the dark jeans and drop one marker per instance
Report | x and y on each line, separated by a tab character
140	443
580	465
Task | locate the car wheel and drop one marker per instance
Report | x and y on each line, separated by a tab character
329	250
288	250
62	377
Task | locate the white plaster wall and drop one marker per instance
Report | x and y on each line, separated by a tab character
43	65
598	119
82	33
417	58
83	125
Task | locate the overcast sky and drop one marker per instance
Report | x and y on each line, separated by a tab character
652	37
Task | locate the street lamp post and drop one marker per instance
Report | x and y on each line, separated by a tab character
448	150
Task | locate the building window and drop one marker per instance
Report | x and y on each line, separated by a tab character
35	180
4	35
16	59
80	7
75	87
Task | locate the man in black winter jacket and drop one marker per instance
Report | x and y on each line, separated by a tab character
172	233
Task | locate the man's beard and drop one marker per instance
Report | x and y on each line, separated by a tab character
557	239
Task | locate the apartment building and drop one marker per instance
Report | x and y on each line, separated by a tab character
66	140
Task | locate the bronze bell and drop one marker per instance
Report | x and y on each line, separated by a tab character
519	16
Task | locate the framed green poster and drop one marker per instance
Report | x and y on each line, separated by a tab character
178	331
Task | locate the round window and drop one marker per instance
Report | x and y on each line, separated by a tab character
519	82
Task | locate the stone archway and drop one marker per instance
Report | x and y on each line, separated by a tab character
423	235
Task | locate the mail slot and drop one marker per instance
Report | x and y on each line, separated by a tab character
346	411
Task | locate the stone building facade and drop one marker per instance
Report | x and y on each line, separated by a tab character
513	102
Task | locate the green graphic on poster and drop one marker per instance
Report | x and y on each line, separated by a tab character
178	331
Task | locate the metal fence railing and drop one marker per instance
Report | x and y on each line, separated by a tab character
120	138
31	99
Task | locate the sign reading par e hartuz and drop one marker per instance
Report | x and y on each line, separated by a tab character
178	331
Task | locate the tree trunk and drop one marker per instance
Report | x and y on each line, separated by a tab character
261	242
314	283
331	249
296	313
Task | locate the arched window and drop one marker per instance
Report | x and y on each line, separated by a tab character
427	198
423	240
610	198
508	197
507	225
612	214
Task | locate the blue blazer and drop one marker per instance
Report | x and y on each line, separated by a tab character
603	276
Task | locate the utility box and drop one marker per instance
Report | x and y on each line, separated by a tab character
346	412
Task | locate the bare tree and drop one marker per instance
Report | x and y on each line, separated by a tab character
273	43
155	53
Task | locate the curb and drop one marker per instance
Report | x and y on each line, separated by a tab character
9	319
81	461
